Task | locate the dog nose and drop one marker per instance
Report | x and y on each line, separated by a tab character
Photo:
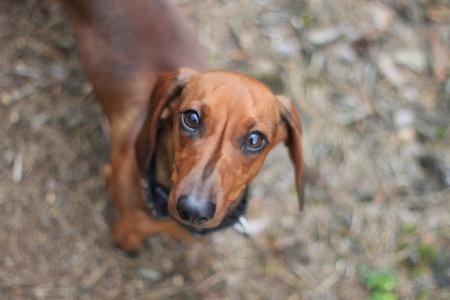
194	210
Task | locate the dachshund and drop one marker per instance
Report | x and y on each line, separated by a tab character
186	141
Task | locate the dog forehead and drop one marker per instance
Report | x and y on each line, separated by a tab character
229	92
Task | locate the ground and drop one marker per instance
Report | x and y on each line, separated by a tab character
371	79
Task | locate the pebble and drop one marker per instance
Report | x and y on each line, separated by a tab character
389	70
264	66
407	134
413	59
382	15
149	274
14	116
257	226
38	121
58	72
6	99
345	53
284	47
178	280
404	118
8	156
323	36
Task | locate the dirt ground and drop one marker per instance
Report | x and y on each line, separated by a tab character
372	79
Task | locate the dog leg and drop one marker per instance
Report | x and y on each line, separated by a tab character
124	182
134	223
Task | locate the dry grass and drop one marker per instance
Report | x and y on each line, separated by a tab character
377	135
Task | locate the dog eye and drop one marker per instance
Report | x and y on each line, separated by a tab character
254	142
190	120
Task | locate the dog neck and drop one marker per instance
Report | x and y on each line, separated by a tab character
158	185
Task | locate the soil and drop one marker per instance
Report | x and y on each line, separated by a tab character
372	82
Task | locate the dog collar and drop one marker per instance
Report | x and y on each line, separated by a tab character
157	198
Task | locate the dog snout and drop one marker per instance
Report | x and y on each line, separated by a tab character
195	211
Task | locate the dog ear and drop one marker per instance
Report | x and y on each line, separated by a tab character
293	140
168	87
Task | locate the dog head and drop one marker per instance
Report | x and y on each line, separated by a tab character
223	126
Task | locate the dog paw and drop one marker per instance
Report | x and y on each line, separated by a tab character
132	228
130	254
130	231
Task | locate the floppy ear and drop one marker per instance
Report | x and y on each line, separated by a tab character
168	87
293	140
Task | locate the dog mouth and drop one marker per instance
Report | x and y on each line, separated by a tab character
197	223
157	200
231	217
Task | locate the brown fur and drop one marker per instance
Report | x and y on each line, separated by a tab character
124	46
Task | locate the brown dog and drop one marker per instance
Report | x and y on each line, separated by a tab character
203	136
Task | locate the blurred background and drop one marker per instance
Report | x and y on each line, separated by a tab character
372	79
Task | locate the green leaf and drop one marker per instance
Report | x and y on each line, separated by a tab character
383	296
427	253
441	133
381	280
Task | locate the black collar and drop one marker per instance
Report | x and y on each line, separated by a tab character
157	197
